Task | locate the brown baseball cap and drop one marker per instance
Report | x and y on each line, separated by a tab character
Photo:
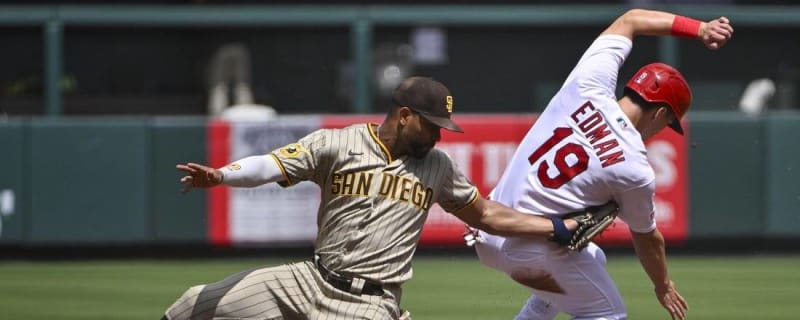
429	98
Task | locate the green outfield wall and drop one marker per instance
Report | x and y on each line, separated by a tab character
109	181
727	176
13	179
177	217
782	175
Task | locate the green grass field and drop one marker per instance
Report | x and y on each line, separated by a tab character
446	287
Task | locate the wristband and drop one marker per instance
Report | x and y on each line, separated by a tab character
560	233
685	27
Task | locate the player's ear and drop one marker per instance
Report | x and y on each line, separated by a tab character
660	111
404	115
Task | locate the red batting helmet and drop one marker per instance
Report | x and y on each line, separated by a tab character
660	83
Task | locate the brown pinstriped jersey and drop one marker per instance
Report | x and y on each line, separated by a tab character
372	206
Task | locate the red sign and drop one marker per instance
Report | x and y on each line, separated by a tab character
218	141
482	153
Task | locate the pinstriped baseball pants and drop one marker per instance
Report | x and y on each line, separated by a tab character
290	291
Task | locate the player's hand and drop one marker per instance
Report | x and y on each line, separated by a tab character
716	33
198	176
672	301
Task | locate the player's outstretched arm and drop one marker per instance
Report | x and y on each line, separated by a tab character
714	34
650	249
496	218
198	176
248	172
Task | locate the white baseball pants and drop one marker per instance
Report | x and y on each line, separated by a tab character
589	291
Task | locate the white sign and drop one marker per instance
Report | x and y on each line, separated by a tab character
270	213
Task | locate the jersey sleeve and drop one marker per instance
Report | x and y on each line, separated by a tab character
598	68
299	161
637	207
457	191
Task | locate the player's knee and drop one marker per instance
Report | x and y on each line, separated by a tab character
192	292
182	308
188	299
598	254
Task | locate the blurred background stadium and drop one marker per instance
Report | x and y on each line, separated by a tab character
100	99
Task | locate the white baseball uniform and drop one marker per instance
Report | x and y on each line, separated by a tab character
582	151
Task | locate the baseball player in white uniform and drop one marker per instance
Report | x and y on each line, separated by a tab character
377	184
585	149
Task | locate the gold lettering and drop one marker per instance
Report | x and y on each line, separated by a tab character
363	183
405	189
417	194
393	194
428	199
386	184
347	185
336	183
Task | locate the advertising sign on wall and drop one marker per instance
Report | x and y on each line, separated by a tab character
270	214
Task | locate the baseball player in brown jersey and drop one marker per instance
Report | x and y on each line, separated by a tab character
377	184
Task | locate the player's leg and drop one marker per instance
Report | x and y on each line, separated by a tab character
590	293
522	260
576	283
264	293
537	309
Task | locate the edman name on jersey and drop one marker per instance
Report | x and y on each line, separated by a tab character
594	127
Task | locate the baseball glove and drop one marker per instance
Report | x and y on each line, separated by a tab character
591	223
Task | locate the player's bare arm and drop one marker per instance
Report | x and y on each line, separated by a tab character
650	250
714	34
496	218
